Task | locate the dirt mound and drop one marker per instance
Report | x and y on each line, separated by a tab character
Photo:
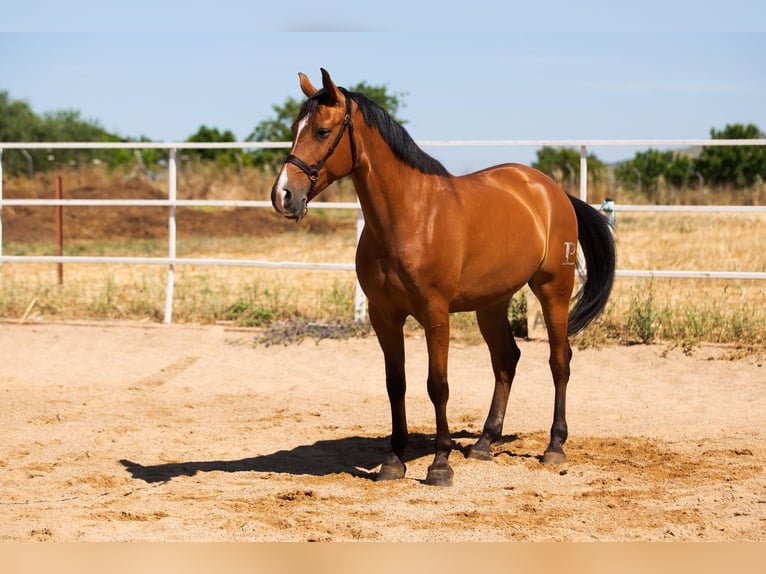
33	224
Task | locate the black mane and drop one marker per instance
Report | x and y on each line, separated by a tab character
397	138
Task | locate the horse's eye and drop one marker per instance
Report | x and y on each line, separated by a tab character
323	133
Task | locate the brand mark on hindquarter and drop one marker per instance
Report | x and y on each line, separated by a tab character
570	253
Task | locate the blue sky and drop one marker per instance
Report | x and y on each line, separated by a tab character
481	70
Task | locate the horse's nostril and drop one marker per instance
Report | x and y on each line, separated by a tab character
288	195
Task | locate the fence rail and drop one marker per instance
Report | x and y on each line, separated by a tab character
359	302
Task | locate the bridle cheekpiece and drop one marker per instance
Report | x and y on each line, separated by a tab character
312	171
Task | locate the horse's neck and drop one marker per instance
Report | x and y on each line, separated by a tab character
390	192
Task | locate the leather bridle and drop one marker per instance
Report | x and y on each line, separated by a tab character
312	171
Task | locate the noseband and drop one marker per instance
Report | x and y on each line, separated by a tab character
312	171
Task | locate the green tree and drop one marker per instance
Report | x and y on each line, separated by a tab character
278	127
391	102
69	126
207	134
20	124
679	171
733	165
275	129
648	168
563	165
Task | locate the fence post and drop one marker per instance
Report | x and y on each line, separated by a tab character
172	170
59	230
583	173
608	208
536	329
360	301
582	269
1	207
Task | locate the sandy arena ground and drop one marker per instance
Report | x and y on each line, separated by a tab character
139	432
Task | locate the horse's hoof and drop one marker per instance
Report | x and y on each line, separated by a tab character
553	457
440	476
478	454
391	472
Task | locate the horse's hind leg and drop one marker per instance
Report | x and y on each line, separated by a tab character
496	330
554	297
391	339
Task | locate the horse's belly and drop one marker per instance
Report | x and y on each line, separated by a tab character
483	293
494	273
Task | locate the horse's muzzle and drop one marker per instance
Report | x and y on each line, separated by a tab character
291	205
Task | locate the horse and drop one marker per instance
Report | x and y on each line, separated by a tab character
434	244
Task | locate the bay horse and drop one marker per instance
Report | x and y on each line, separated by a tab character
434	244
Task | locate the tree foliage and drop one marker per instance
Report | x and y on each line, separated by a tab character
738	165
20	124
278	127
563	165
648	169
207	134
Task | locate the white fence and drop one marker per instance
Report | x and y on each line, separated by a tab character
171	261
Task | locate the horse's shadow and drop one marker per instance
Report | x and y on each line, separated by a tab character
358	456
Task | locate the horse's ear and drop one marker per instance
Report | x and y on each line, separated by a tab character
329	87
306	85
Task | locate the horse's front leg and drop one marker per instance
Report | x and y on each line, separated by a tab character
390	335
437	339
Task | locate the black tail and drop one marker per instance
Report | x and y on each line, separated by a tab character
597	244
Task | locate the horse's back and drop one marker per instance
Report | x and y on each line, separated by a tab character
523	200
518	182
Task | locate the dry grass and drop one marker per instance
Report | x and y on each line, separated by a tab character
193	181
202	294
687	310
681	310
709	241
213	182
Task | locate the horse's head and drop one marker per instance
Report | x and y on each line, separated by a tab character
320	153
